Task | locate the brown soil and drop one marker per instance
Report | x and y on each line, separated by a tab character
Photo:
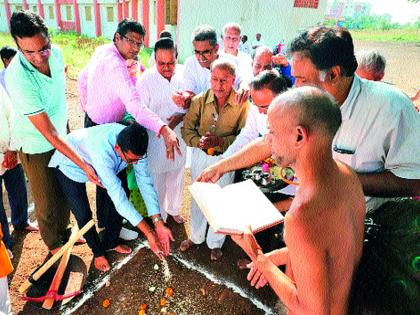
195	292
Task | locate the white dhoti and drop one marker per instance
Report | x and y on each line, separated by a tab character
169	187
198	223
5	305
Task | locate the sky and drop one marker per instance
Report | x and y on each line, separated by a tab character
401	11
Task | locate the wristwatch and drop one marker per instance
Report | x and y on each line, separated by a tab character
157	219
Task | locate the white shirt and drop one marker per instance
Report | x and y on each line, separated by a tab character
197	78
6	127
156	94
245	47
257	43
382	128
243	62
255	126
2	78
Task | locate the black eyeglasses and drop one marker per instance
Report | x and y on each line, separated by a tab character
133	42
204	53
135	160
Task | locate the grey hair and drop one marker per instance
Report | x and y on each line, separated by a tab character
317	109
204	32
262	50
224	64
231	25
372	61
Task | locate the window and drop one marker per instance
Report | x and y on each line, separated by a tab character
88	13
110	14
313	4
34	8
171	7
69	13
51	12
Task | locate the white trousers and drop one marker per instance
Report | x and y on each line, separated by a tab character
5	306
169	187
198	223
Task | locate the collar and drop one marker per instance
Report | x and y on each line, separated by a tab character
212	99
347	107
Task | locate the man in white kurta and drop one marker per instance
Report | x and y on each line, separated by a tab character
156	87
231	38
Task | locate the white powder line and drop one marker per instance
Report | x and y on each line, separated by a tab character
215	279
101	281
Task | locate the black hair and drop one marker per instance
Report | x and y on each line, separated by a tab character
27	24
165	43
327	47
7	52
205	32
270	79
165	33
133	138
130	25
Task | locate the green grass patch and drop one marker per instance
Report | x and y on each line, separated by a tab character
394	35
77	49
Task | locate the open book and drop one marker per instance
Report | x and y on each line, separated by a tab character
231	208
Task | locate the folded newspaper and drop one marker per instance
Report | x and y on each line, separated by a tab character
231	208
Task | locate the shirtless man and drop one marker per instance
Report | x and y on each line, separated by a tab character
324	228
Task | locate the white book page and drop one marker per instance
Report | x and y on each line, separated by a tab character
247	205
209	198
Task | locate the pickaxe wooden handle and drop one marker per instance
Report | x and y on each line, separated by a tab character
73	239
55	284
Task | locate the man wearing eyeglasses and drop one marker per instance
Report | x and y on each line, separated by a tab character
156	87
35	80
106	93
110	148
197	67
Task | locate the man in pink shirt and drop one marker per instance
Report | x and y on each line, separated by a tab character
105	89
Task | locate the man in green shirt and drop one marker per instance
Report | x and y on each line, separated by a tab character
211	124
35	80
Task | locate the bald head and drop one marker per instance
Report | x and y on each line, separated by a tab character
262	60
313	108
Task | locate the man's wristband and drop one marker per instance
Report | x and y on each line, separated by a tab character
157	219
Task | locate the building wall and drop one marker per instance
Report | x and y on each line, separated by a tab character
87	18
3	18
50	14
109	18
275	20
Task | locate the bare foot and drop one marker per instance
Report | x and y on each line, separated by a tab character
32	227
185	245
215	254
179	219
101	263
121	249
242	263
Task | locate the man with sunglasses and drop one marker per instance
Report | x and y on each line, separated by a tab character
35	80
110	148
106	93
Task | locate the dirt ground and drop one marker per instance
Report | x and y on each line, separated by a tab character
199	286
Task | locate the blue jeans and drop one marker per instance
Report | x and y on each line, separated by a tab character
14	181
